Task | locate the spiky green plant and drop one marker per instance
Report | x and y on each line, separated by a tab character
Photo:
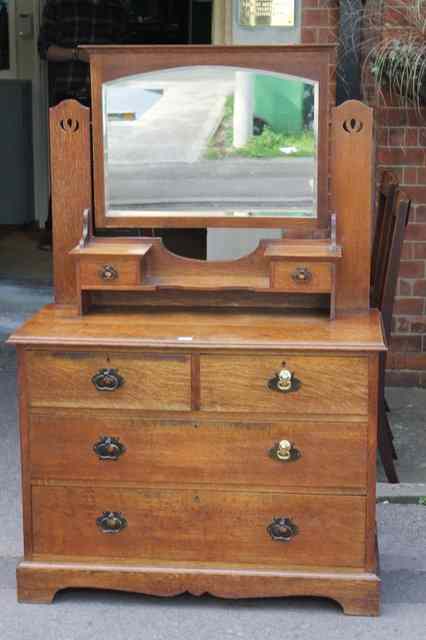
395	64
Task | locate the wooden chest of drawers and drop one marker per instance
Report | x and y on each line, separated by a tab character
166	452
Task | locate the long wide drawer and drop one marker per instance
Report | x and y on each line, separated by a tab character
271	529
114	380
287	454
289	384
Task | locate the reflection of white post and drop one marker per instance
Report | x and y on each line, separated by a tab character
243	108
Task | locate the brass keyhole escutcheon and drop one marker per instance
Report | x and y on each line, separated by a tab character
282	529
111	522
109	448
107	380
108	273
302	274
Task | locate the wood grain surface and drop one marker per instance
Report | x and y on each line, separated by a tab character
333	455
214	526
229	330
332	385
150	381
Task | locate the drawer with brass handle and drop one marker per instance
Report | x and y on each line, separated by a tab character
134	449
101	272
110	380
276	529
288	384
306	277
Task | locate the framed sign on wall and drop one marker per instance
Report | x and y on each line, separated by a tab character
266	13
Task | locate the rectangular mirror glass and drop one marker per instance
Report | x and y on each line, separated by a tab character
211	141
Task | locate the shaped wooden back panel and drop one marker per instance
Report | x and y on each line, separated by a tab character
71	189
353	188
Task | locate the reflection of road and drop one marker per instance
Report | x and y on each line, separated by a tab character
283	182
175	129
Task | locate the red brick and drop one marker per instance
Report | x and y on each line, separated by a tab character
419	250
399	117
310	4
416	232
309	36
419	288
333	17
410	176
325	36
315	18
400	324
406	343
398	156
412	269
422	136
406	360
402	378
421	175
405	287
396	136
418	325
407	251
382	136
419	213
417	194
408	306
411	137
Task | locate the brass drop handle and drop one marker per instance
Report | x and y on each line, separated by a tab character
107	380
284	381
282	529
109	448
108	273
284	450
301	274
111	522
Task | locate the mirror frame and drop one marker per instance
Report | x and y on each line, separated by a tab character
109	63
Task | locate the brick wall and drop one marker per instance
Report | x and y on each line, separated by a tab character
401	147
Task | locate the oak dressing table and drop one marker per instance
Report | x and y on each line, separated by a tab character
205	426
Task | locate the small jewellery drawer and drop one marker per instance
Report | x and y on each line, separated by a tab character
315	277
288	384
272	529
108	449
114	380
100	271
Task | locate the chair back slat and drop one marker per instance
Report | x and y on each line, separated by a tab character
382	236
386	295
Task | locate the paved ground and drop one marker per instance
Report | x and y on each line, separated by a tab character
209	184
87	615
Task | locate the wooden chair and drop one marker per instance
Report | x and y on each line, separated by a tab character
381	243
392	220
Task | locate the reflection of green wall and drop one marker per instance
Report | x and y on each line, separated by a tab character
279	101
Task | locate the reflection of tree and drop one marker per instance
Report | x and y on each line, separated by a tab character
4	36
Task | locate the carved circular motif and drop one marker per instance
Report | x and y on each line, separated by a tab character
353	126
69	125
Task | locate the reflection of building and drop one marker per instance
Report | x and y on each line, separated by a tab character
274	13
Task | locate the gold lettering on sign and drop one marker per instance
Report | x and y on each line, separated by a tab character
267	13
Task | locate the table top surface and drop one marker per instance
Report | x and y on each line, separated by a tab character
202	329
